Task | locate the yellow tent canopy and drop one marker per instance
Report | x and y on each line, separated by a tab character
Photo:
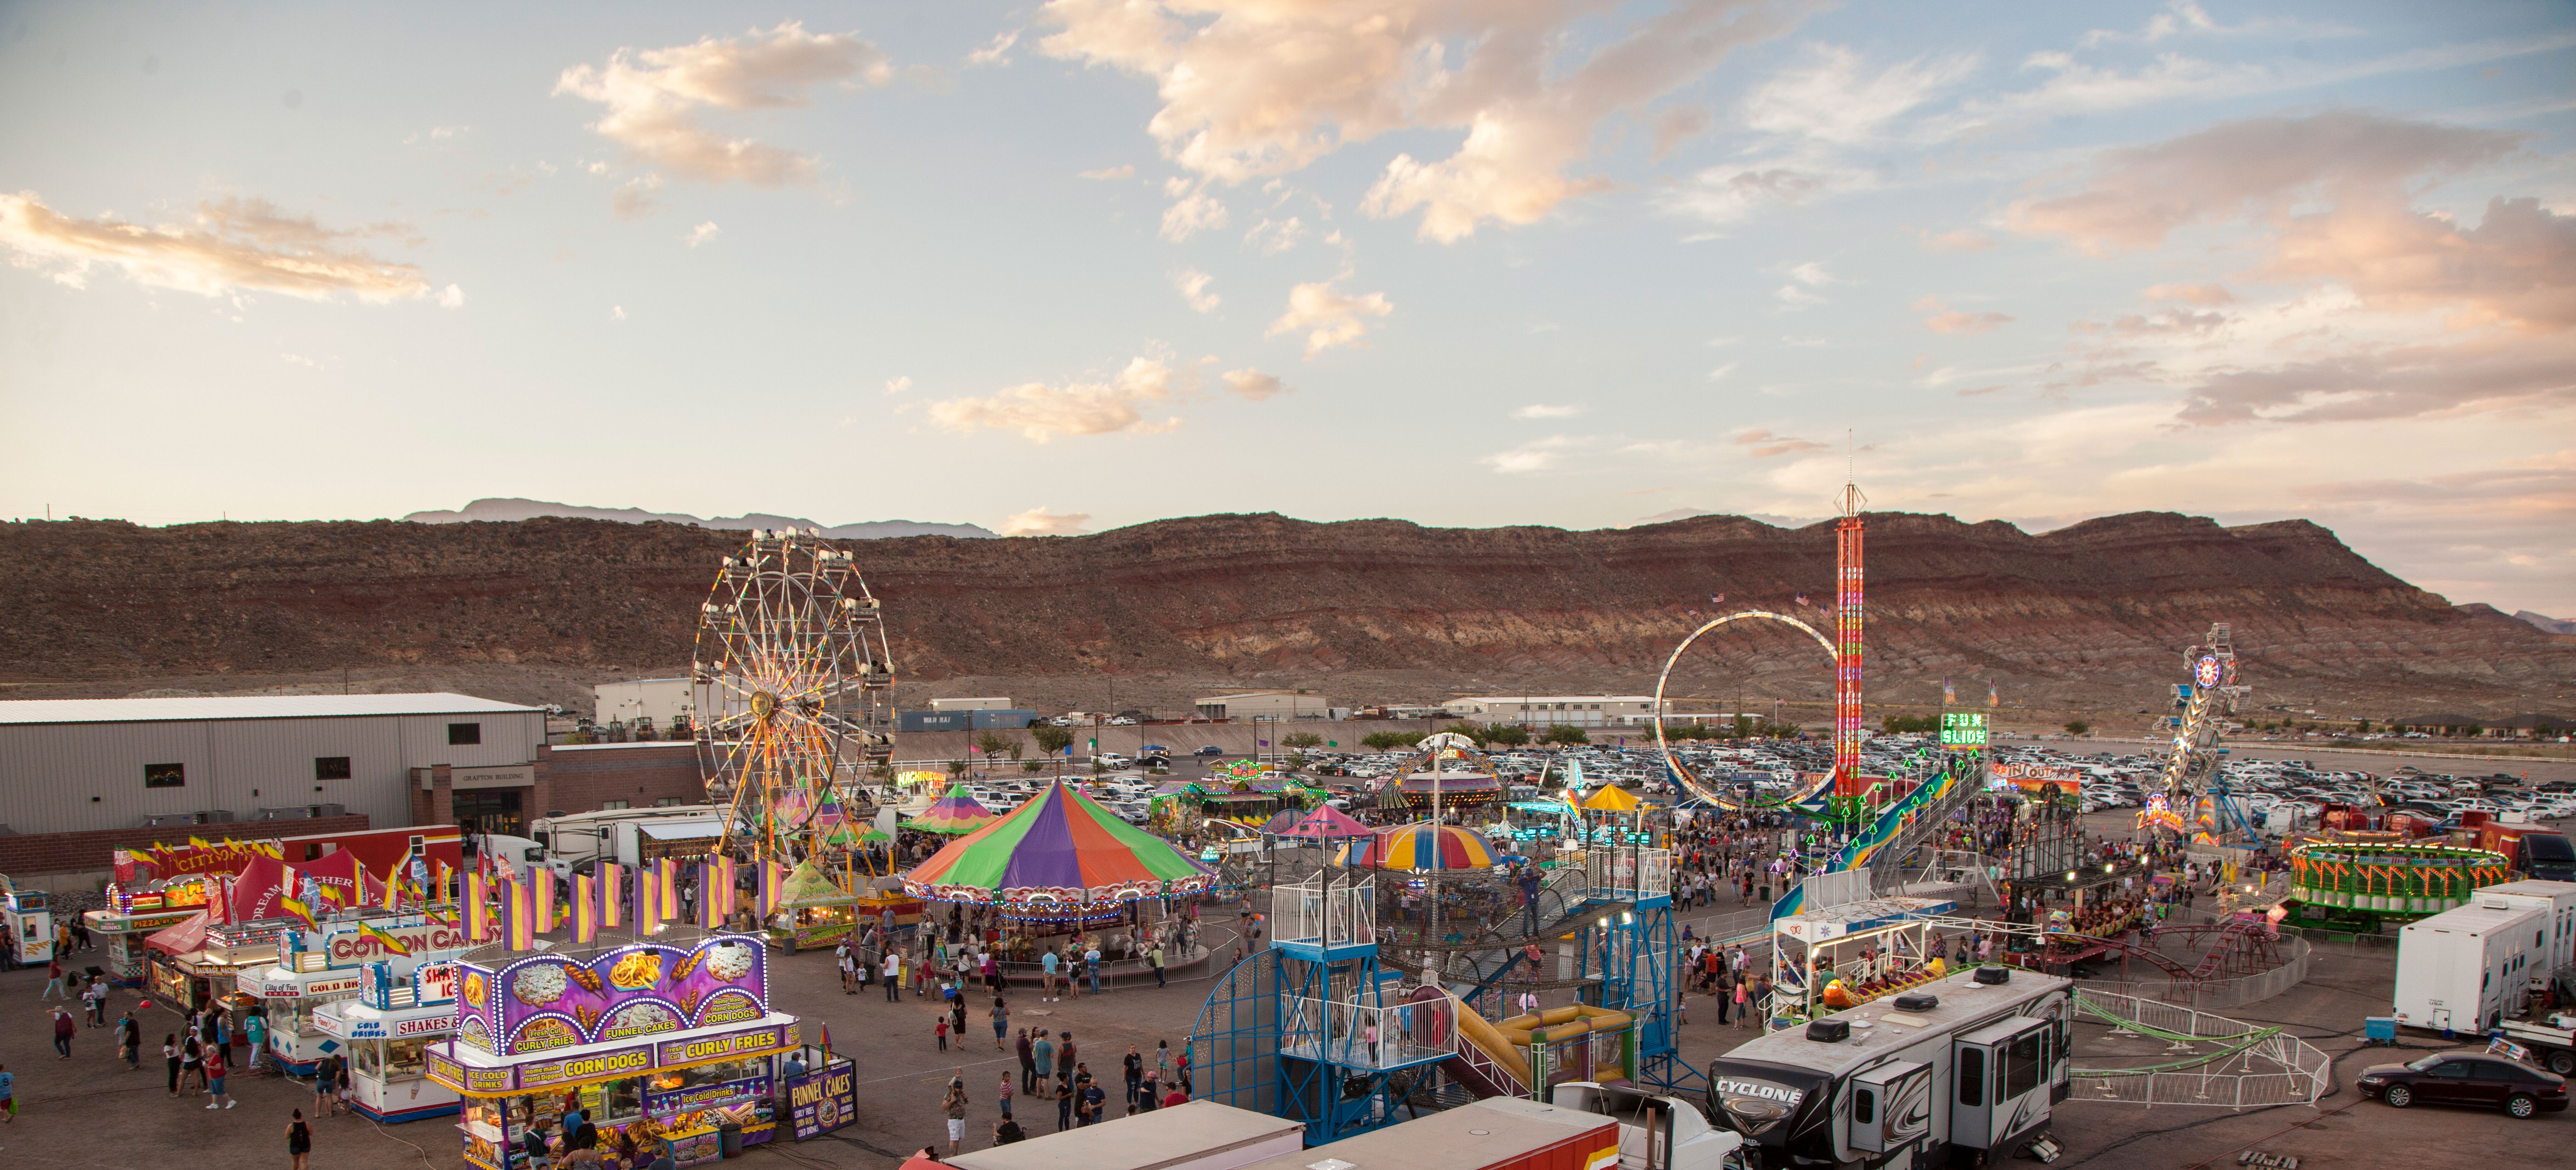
1611	798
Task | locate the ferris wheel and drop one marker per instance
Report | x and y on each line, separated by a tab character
792	680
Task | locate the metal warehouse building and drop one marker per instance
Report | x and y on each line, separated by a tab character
76	765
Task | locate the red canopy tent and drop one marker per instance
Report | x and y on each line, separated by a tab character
186	937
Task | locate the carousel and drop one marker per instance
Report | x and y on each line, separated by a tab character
1058	866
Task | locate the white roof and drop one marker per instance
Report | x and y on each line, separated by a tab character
1517	699
681	830
249	707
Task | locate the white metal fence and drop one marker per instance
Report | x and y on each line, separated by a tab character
1310	912
1365	1036
1627	873
2218	1067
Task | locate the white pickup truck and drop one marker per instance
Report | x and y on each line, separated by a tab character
1657	1133
2552	1044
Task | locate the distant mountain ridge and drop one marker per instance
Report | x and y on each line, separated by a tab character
512	510
2545	622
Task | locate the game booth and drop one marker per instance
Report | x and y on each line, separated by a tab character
386	1030
137	912
812	911
666	1042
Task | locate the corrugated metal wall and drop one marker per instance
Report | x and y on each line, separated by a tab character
75	777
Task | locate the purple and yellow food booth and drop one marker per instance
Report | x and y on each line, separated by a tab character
667	1041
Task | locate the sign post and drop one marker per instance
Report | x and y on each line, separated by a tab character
1963	731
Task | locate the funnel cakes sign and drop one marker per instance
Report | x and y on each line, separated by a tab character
539	1002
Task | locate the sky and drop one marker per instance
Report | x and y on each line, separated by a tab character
1065	267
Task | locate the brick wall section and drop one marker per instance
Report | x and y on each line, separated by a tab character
34	853
579	781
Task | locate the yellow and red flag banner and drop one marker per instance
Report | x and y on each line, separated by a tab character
298	911
388	941
585	908
725	886
646	901
612	894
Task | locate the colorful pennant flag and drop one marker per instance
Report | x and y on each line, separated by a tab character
523	935
709	914
612	893
1991	701
478	911
768	903
197	842
1949	694
645	902
298	911
585	908
543	894
670	890
390	943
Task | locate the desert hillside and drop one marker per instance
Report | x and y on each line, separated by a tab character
1373	610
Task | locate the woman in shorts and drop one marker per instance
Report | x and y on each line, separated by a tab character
323	1075
299	1142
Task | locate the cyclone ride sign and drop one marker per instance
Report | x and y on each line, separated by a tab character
1963	730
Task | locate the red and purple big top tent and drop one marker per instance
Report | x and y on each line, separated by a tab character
1059	852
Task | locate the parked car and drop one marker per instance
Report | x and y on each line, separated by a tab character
2467	1078
1209	750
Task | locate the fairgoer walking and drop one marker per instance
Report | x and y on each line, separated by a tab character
299	1142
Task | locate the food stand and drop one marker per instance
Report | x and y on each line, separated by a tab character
215	974
812	912
330	963
666	1040
388	1029
137	912
29	924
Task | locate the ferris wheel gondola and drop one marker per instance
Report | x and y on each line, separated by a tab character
793	683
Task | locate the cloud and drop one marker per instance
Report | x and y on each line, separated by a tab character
701	234
300	360
1946	320
1537	455
1720	373
2332	191
1040	522
900	383
1679	124
616	312
1796	297
1330	317
1254	385
1961	240
1193	213
1121	171
1270	237
2191	294
1671	514
1040	412
653	96
2171	322
1266	89
1831	96
636	198
1193	285
2253	169
234	245
1813	273
995	52
2482	374
1537	410
1766	445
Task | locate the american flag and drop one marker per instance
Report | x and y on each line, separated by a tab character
1691	612
1717	599
1801	599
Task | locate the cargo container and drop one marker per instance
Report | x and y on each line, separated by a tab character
1965	1074
2460	969
1200	1135
1497	1133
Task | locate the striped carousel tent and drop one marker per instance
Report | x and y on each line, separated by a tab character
1426	846
1059	851
955	814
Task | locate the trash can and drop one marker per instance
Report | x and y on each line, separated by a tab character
2379	1030
729	1140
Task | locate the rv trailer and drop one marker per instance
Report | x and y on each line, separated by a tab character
1962	1070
